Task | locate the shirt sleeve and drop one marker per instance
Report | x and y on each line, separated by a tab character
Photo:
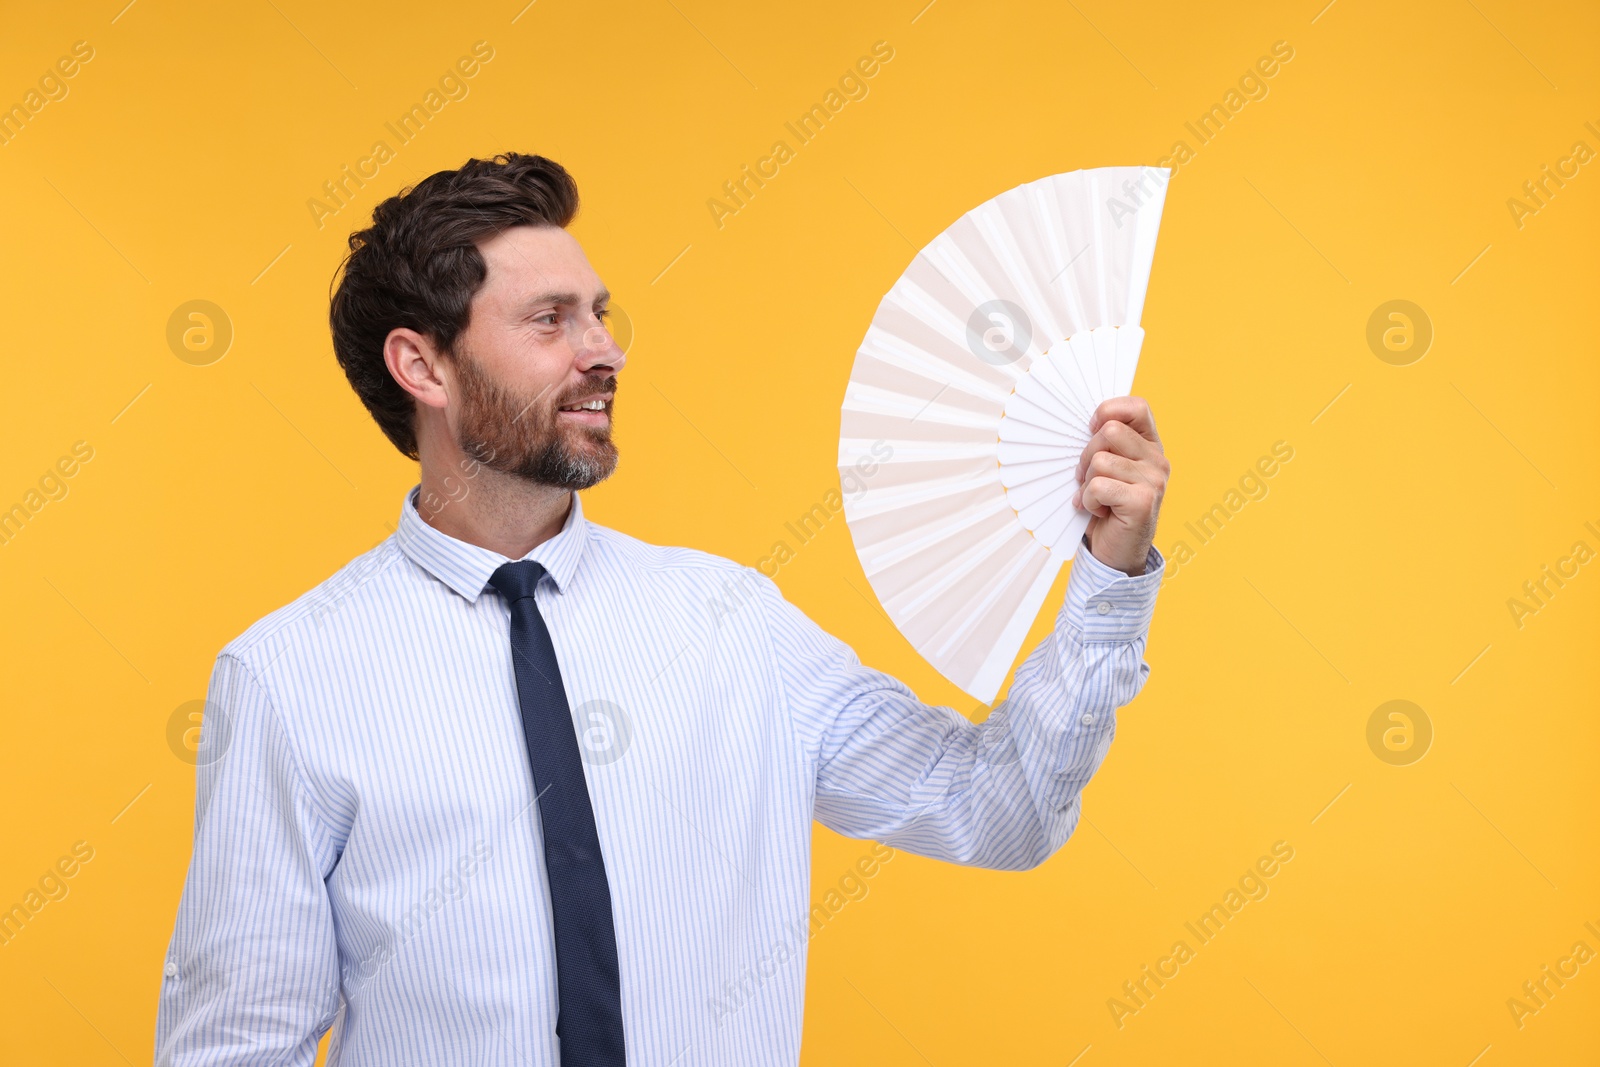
1003	793
251	974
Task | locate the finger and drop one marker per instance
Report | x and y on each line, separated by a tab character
1102	496
1133	411
1121	439
1133	505
1123	469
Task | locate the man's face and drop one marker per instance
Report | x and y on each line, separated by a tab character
535	348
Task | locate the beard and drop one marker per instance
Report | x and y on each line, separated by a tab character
525	436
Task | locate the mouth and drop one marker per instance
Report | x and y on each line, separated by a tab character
595	410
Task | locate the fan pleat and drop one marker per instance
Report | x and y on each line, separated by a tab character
907	454
919	500
895	533
1103	253
1129	340
1083	368
1016	455
1081	279
978	596
941	601
1057	526
1025	494
1025	409
940	361
995	224
1009	619
1063	384
899	577
875	426
1063	258
875	371
908	544
932	595
871	400
969	264
1105	352
1020	228
1017	432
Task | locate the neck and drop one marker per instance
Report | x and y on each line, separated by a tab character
490	508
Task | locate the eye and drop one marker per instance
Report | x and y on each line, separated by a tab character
549	317
602	313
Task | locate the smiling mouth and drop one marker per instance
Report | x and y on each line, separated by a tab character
594	412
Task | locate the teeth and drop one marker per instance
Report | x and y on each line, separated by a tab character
588	405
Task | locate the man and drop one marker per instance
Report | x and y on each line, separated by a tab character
503	790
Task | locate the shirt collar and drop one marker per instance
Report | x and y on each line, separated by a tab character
466	567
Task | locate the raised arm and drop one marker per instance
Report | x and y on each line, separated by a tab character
1004	793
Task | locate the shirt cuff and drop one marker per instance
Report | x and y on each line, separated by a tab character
1105	604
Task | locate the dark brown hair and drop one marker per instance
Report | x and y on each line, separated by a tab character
418	265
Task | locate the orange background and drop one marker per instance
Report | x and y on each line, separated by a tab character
1378	567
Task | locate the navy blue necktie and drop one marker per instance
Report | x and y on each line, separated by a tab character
589	1023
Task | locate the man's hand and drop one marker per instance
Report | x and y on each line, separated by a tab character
1122	476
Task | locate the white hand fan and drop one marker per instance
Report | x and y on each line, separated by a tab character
977	379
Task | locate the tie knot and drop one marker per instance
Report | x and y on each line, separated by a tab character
517	580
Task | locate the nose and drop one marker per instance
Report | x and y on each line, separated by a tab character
597	350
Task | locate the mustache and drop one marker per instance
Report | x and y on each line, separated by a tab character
607	385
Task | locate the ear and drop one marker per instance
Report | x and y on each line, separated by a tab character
417	365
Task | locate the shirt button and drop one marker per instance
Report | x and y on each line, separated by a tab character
1104	607
172	969
1087	720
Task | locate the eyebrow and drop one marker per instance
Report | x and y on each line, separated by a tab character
601	298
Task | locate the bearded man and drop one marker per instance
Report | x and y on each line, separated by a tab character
502	790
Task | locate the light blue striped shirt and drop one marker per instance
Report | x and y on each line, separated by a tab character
366	852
